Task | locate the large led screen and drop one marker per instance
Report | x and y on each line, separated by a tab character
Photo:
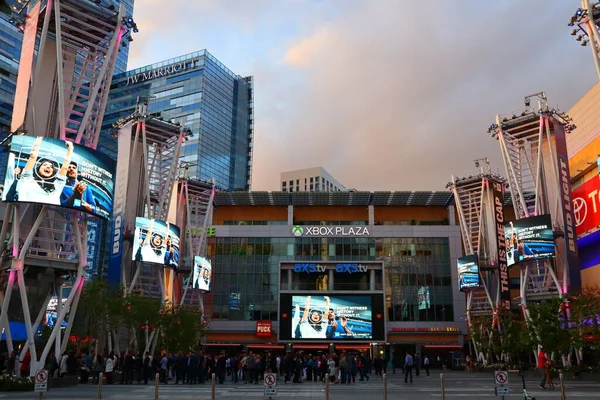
468	272
332	318
156	242
423	298
529	239
59	173
201	278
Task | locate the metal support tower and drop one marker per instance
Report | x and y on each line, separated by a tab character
586	24
195	207
536	172
44	245
479	204
155	155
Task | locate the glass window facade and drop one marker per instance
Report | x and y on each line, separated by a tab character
418	281
214	103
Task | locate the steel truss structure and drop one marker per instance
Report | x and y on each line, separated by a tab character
587	20
529	151
195	206
160	143
78	46
476	209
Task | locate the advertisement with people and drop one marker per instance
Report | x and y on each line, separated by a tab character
156	242
529	239
201	278
468	272
59	173
332	317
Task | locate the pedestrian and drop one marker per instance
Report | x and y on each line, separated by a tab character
147	367
25	365
408	365
417	364
542	360
426	364
109	368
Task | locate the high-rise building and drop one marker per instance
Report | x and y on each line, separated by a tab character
10	52
309	180
213	102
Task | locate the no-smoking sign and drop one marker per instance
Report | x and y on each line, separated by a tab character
41	376
501	377
270	380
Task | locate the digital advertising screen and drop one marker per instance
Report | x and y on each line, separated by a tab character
423	298
468	272
331	318
59	173
201	278
156	242
529	239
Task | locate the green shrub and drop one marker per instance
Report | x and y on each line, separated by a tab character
11	383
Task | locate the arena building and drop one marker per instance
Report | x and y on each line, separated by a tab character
383	261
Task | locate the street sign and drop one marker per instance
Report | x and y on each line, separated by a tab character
41	381
270	392
502	391
270	380
501	377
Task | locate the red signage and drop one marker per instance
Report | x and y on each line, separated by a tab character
432	329
264	328
586	206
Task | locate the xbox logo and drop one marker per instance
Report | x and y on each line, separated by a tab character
297	231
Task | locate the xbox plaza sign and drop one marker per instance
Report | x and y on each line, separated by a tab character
330	231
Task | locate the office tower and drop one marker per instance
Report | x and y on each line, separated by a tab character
309	180
199	91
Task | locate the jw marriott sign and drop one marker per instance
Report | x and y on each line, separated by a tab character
163	71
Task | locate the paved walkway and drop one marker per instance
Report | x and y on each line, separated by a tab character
458	385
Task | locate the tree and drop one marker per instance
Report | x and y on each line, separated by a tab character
181	328
549	326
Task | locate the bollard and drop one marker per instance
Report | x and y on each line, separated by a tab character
384	386
212	387
156	384
100	377
327	386
563	395
443	390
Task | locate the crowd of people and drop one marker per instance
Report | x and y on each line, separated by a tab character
198	367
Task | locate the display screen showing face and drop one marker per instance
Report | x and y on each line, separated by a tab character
156	242
332	317
201	278
468	272
423	298
529	239
59	173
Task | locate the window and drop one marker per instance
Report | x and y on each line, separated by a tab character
317	179
291	189
311	179
291	183
311	187
297	188
317	186
297	181
283	183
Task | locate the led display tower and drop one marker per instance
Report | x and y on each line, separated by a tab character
61	95
533	148
149	150
586	24
195	208
479	204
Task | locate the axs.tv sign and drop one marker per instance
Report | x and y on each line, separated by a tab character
339	268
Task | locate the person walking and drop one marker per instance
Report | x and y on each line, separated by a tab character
109	368
408	366
426	364
542	360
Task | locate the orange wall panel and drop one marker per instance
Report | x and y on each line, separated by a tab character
249	213
331	213
408	213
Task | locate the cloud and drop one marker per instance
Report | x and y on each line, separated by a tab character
386	94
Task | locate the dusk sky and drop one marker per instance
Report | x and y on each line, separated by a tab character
384	94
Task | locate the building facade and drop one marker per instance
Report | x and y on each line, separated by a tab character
271	249
199	91
309	180
583	145
10	53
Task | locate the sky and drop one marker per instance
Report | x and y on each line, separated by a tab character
384	94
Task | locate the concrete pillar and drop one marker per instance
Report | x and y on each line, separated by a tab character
289	279
451	215
372	280
371	215
330	282
290	215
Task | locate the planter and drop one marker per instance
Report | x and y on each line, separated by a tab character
65	381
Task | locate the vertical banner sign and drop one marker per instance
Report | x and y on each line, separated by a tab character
120	197
498	195
566	199
93	238
25	67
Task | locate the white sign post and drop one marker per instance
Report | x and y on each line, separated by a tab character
270	383
501	378
41	382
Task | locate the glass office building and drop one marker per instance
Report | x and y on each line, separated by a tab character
10	53
213	102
